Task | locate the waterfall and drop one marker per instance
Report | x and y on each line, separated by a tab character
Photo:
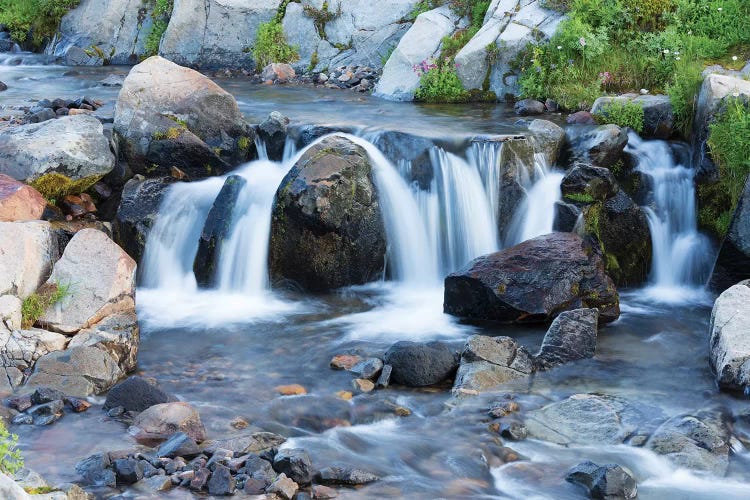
681	255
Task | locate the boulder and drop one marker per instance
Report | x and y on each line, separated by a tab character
420	43
66	155
699	441
19	202
570	337
216	231
96	470
169	116
10	490
20	349
509	27
527	107
603	146
585	184
516	177
101	281
118	335
729	343
608	482
548	139
137	213
326	229
272	131
581	118
418	364
658	118
733	262
566	217
136	394
278	73
10	312
78	371
344	475
532	282
157	423
295	463
487	362
27	252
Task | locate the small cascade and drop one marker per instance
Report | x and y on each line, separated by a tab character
536	214
681	255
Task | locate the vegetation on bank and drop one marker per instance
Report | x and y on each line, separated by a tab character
35	305
161	14
11	460
34	22
623	114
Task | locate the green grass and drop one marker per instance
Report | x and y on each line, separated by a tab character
271	46
11	460
623	114
34	21
35	305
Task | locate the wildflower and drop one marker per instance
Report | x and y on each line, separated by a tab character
582	41
736	94
644	91
559	47
677	58
666	51
719	9
676	53
734	58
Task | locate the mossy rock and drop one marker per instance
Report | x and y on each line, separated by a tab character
54	186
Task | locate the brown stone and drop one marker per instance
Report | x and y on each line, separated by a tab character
344	361
160	421
19	202
363	385
291	390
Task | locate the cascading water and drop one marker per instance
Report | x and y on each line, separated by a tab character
681	255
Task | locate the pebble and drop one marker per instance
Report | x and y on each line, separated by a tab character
345	361
363	385
291	390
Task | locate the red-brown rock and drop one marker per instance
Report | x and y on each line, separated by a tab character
19	202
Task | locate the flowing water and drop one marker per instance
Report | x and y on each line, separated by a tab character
226	349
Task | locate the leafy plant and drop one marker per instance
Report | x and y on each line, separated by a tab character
271	45
34	20
439	82
683	93
11	460
623	114
36	304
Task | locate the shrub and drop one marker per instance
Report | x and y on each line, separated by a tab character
11	460
439	82
161	14
34	20
683	93
36	304
271	45
623	114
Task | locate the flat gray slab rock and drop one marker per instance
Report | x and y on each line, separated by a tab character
27	252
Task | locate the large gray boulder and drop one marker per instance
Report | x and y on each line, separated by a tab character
27	252
118	335
101	281
570	337
730	337
20	349
326	230
118	28
487	362
658	118
170	116
733	262
420	43
548	139
71	146
509	26
79	371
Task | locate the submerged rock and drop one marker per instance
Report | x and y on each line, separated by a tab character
571	337
608	482
417	364
533	282
730	338
344	475
733	262
159	422
327	230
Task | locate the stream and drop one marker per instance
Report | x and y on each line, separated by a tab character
224	350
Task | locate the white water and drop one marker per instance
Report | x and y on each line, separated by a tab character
681	255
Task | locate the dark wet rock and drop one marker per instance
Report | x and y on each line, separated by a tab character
78	405
418	364
283	487
570	337
533	282
255	486
608	482
295	463
515	431
259	468
697	442
487	362
344	475
22	419
3	87
20	403
216	231
137	213
220	457
566	217
241	445
517	166
221	483
46	395
586	183
327	230
178	445
603	145
272	131
385	377
157	423
729	343
199	479
368	369
581	118
116	412
136	394
323	492
549	139
95	470
733	262
526	107
127	471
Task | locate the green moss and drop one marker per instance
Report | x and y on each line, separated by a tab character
313	61
580	197
243	143
54	186
623	114
161	14
40	490
321	17
271	45
35	305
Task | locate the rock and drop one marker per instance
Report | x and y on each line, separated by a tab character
79	371
368	369
27	252
344	361
278	73
137	212
487	362
516	158
344	475
515	431
136	394
418	364
46	395
323	492
570	337
70	153
283	487
697	442
158	483
549	139
533	281
169	116
729	343
603	145
3	87
326	230
22	348
10	490
19	202
608	482
96	471
290	390
199	479
242	445
295	463
566	217
221	483
385	377
179	444
581	118
113	80
586	183
363	385
420	43
216	231
127	471
527	107
10	312
582	419
159	422
733	262
101	280
272	131
658	118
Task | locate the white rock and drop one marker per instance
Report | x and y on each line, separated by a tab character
10	312
10	490
101	277
730	337
27	252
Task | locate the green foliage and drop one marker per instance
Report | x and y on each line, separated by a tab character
36	304
623	114
580	197
384	58
321	16
424	6
683	93
161	14
34	20
11	460
440	83
271	45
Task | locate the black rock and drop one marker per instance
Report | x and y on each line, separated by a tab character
385	377
42	420
344	475
136	394
515	431
42	116
272	131
295	463
255	486
586	183
733	262
526	107
60	103
46	395
608	482
570	337
96	472
116	412
22	419
221	483
566	217
128	470
259	468
418	364
368	369
3	87
51	408
200	479
179	444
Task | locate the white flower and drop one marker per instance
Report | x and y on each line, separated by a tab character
676	53
734	58
644	91
666	51
559	47
582	41
677	58
719	9
736	94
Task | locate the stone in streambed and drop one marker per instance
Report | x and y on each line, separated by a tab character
272	131
136	394
733	262
730	337
127	470
78	371
570	337
526	107
344	361
417	364
241	445
487	362
159	422
587	183
284	487
385	377
295	463
96	470
608	482
368	369
221	483
178	445
344	475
